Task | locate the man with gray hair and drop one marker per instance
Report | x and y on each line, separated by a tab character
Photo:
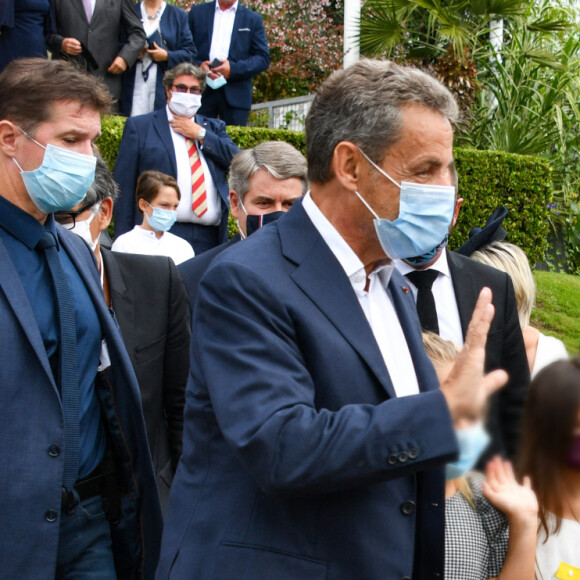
315	430
264	184
196	151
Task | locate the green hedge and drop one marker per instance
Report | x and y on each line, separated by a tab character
487	179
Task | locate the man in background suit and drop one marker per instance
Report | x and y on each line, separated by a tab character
159	141
315	430
89	32
78	487
264	184
456	285
150	304
228	32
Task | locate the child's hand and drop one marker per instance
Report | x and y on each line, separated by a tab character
506	494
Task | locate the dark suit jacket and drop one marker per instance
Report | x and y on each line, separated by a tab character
299	461
248	56
193	269
147	144
150	303
505	347
179	46
111	21
32	420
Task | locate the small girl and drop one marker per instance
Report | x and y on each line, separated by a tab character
157	198
550	455
491	522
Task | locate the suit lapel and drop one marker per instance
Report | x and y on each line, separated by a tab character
17	298
79	7
466	293
121	302
407	314
161	127
238	23
322	279
210	25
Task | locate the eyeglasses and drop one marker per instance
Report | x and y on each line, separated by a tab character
186	89
68	217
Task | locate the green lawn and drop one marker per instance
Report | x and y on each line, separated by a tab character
557	310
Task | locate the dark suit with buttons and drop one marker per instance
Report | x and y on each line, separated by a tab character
505	348
150	303
111	21
147	144
299	460
248	57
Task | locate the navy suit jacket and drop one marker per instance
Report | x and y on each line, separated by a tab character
299	461
32	421
248	56
147	144
179	46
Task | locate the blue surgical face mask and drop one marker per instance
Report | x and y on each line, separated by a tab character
425	214
61	181
428	257
216	83
162	219
472	443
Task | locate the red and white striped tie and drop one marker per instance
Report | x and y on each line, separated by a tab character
198	193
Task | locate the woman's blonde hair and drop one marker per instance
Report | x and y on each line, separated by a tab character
511	259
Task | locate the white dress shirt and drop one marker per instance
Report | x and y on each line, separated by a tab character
223	26
376	303
444	295
142	241
185	214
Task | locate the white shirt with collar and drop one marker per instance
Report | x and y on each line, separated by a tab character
444	295
376	303
185	214
142	241
223	26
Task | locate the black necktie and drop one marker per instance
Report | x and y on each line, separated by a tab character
68	368
423	280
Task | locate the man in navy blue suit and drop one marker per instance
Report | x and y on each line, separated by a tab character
315	431
164	141
79	498
226	31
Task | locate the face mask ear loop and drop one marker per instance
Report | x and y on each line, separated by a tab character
367	205
378	168
242	235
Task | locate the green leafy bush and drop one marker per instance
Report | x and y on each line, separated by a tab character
487	179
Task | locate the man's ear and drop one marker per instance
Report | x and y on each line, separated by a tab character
8	134
105	214
234	203
346	164
456	212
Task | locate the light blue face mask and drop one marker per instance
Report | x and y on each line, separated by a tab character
61	181
425	214
472	443
161	219
216	83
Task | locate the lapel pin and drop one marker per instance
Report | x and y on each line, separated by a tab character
405	289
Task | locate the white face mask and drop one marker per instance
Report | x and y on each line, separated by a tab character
184	104
83	229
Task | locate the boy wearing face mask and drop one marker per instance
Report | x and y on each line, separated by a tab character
157	197
491	522
194	150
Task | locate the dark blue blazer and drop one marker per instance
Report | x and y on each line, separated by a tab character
299	461
249	54
32	420
180	48
147	144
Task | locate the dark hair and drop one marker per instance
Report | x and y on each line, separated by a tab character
185	68
362	104
149	184
29	87
550	417
104	185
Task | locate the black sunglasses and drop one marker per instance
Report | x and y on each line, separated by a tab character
67	217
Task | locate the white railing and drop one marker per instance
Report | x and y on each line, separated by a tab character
282	114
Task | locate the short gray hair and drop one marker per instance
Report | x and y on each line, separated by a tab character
511	259
362	104
278	158
184	68
104	185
